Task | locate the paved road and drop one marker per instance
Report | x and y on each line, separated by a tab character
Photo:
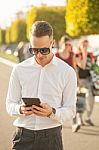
86	139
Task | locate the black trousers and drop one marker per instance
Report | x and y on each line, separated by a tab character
47	139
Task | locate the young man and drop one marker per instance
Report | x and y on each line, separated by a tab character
46	77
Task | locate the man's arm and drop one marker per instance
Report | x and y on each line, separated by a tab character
68	108
14	94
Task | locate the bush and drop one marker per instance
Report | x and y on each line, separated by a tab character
82	17
54	15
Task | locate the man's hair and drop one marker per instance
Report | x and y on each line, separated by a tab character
41	28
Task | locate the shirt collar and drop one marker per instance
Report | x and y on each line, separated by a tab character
53	61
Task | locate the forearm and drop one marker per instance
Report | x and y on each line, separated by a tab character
13	108
81	62
63	114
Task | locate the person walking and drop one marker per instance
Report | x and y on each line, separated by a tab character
26	51
46	77
19	51
84	60
65	51
66	54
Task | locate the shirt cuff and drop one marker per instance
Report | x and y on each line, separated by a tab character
17	109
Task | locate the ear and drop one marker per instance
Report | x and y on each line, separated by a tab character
54	43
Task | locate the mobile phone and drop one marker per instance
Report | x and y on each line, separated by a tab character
31	101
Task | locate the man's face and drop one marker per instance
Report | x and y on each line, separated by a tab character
42	42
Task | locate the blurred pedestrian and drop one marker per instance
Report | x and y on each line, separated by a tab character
65	51
26	51
19	51
66	54
84	60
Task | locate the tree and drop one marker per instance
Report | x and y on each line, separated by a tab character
18	31
54	15
8	35
82	17
2	36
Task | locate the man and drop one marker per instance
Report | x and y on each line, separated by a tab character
46	77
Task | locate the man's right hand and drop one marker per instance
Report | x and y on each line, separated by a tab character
25	110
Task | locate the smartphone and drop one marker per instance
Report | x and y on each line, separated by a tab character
31	101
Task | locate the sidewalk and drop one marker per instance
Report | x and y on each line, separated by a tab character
87	138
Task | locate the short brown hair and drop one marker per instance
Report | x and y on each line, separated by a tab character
41	28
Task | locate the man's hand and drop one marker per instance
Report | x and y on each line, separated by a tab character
44	111
26	110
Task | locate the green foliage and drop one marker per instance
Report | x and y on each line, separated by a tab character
18	31
8	35
54	15
82	17
2	36
95	68
31	17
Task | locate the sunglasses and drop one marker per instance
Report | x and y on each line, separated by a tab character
43	51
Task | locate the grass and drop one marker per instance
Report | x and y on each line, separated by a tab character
10	57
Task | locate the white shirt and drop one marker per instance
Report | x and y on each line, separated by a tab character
54	84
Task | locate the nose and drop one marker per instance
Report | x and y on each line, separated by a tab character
39	55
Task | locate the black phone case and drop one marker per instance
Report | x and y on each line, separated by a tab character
31	101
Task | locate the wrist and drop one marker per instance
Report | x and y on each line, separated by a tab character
52	113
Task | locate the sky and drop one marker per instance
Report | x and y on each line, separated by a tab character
8	8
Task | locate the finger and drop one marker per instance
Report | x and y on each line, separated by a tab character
36	107
40	109
28	108
39	113
43	105
28	113
23	108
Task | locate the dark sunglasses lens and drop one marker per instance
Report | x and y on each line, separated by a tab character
45	51
33	51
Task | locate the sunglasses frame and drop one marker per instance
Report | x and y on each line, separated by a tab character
39	50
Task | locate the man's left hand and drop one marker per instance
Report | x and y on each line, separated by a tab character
44	111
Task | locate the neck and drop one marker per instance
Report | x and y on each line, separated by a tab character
44	63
